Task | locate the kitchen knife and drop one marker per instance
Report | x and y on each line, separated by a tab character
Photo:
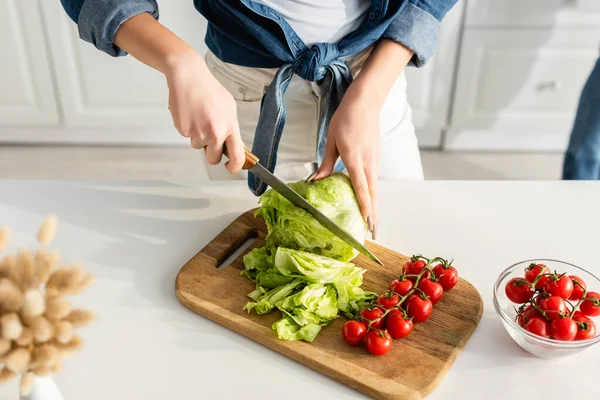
251	164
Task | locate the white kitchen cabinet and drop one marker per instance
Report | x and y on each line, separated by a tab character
518	89
429	88
27	95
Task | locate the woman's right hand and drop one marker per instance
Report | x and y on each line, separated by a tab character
203	110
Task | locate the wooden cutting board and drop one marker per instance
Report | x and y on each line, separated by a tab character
411	370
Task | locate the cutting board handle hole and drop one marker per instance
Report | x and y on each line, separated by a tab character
238	248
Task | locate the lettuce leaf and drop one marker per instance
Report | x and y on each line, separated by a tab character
267	301
292	227
287	329
315	304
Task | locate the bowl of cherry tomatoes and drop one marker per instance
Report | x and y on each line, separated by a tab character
550	308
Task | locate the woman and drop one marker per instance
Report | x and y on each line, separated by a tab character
312	51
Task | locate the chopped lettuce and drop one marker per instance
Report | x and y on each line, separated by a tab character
315	304
267	301
287	329
292	227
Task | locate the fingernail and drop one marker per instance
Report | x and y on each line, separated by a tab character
374	233
311	176
370	223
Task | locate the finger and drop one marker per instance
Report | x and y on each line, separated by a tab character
235	150
328	164
214	152
361	189
197	143
372	181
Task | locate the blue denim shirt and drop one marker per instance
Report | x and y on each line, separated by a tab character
249	33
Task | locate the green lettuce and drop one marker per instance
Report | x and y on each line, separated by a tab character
315	304
287	329
267	301
292	227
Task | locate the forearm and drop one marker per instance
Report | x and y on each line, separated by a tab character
152	43
381	70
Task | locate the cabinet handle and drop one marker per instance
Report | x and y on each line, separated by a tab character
546	86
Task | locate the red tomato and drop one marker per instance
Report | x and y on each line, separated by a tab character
553	306
432	289
538	326
518	290
401	286
378	342
448	277
563	329
533	271
578	314
541	296
579	287
373	317
418	309
397	325
591	307
558	285
414	268
354	332
586	329
388	301
528	314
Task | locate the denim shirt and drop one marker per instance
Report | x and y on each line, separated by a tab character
251	34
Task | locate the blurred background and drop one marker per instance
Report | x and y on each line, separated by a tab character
496	102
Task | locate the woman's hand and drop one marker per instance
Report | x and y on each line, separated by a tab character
354	136
204	111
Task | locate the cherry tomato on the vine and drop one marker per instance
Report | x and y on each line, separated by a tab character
418	309
433	290
415	268
528	314
591	306
559	285
354	332
373	317
586	329
401	286
563	329
579	288
388	300
518	290
398	325
448	277
554	306
378	342
533	271
538	326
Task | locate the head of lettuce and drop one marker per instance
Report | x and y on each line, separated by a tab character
292	227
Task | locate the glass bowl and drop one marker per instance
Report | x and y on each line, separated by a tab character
537	345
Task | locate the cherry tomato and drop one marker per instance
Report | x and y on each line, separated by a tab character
373	316
563	329
354	332
448	277
579	287
415	268
586	329
518	290
538	326
553	306
401	286
397	325
533	271
541	296
433	290
388	300
528	314
418	309
591	307
378	342
559	285
578	314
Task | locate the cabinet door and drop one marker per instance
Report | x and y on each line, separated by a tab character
519	89
430	87
26	90
99	91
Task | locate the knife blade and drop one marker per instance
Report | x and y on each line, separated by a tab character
251	164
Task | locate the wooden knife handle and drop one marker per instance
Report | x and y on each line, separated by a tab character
250	161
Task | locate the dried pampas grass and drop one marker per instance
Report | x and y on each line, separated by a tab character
37	323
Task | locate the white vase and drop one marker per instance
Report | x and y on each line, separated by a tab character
43	388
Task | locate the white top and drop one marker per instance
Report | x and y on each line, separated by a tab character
321	21
135	236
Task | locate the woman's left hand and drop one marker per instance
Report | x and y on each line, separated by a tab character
354	136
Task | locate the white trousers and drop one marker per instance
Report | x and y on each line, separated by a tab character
296	157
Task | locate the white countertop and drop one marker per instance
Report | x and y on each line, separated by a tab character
135	236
